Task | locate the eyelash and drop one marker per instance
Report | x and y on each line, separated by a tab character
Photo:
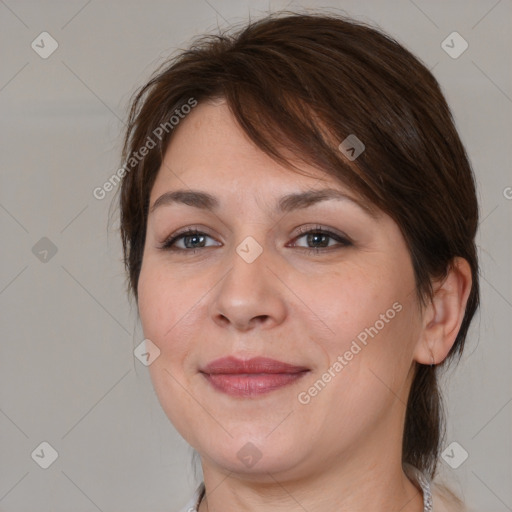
343	241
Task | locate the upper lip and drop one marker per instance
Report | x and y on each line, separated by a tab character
233	365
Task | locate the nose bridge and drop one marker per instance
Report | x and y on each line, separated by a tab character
248	263
248	290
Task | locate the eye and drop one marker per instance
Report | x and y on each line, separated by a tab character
319	238
186	240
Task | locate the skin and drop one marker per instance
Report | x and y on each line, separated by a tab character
342	450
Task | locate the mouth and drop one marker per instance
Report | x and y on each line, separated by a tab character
252	377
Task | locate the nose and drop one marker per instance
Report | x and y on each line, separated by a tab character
251	294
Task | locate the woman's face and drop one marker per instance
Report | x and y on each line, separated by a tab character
253	283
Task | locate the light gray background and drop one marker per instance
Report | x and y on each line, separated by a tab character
68	375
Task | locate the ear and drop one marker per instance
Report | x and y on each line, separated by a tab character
442	318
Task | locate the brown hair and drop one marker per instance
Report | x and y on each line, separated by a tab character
304	82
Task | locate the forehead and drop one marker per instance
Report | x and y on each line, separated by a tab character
210	149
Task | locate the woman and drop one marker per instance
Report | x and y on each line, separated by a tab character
298	217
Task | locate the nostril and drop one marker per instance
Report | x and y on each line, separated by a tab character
261	318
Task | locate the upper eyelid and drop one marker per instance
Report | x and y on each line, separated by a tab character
326	231
302	231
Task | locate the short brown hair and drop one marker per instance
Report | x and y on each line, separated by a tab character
305	82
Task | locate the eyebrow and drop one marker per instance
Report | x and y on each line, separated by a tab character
287	203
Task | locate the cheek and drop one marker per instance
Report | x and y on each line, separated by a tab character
369	317
171	312
161	305
161	294
150	299
165	311
352	301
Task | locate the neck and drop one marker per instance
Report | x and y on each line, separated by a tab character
375	488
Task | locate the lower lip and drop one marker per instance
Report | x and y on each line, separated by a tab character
251	384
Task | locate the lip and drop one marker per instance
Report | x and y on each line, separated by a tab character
256	376
233	365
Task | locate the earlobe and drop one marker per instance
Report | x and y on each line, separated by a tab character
443	316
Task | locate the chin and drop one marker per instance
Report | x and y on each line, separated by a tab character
247	456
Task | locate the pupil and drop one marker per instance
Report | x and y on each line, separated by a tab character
313	238
194	238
